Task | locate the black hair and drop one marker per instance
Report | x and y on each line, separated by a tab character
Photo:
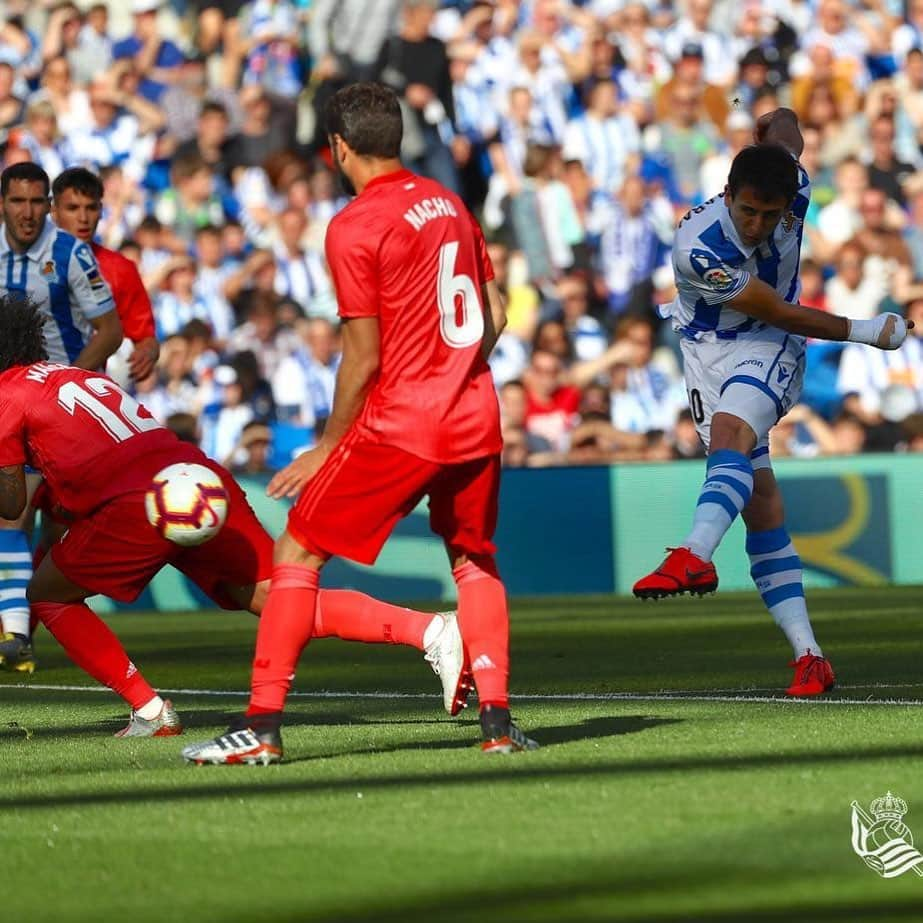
28	171
21	339
81	180
768	169
212	106
367	116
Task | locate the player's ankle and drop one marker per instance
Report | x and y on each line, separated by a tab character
150	710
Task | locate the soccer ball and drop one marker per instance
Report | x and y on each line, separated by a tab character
186	503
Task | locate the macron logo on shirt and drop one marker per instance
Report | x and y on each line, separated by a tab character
428	209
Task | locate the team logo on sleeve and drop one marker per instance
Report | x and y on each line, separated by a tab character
712	271
85	258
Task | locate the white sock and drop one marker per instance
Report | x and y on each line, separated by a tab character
15	573
776	570
150	710
433	630
16	621
726	491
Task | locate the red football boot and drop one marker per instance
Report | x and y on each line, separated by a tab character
813	676
681	572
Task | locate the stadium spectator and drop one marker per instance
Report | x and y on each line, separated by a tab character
155	57
414	63
551	404
604	139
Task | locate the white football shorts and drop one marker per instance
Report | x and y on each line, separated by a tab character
756	376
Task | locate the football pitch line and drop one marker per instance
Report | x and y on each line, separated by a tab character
685	695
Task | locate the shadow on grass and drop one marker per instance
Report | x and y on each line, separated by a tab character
614	893
518	769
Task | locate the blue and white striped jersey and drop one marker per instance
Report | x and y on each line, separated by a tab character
60	274
712	265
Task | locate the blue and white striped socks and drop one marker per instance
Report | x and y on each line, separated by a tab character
776	570
726	491
15	573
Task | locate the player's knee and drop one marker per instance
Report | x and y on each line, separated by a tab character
731	432
474	566
288	550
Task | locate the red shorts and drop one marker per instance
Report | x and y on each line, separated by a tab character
116	551
350	506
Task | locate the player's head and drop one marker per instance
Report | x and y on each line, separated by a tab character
21	340
77	202
761	187
364	125
24	192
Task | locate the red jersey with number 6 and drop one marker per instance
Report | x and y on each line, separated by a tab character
89	439
409	252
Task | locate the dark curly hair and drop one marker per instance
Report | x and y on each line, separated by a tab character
21	340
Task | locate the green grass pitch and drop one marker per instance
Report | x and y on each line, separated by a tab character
673	784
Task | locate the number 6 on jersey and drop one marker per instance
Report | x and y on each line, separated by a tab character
460	309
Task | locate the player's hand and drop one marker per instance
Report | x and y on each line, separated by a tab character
143	358
893	331
766	121
291	480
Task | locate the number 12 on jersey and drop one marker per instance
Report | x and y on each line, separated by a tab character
120	424
461	314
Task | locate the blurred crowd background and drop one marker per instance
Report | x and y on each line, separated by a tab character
579	133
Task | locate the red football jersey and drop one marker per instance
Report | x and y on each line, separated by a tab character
408	252
132	301
89	439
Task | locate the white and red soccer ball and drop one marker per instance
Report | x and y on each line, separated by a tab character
186	503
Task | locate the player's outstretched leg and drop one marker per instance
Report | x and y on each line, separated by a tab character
688	568
776	570
354	616
89	642
15	571
485	626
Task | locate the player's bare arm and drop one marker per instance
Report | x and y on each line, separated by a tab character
104	342
12	491
759	300
780	127
494	316
356	375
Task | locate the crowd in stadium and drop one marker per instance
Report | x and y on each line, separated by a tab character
579	133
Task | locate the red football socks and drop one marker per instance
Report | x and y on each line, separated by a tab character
483	620
356	617
90	643
286	626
